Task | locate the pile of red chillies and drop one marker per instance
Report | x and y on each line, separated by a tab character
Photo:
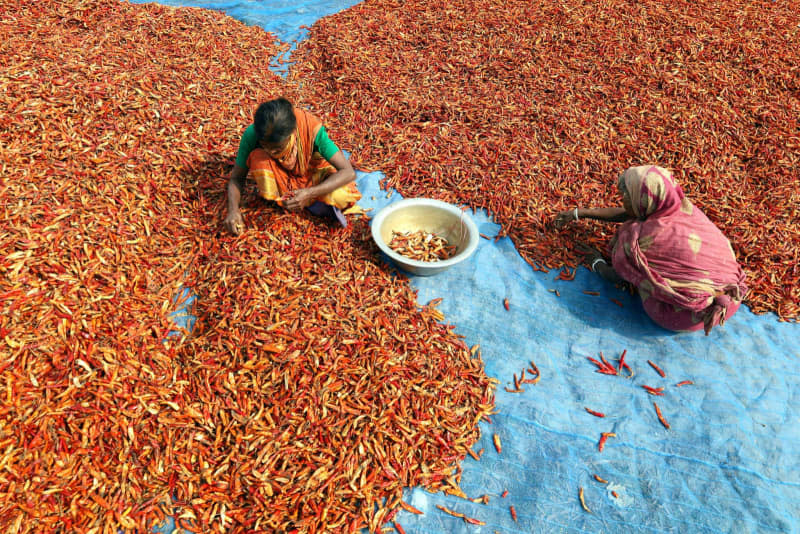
527	108
301	401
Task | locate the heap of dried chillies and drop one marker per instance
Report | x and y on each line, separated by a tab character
528	107
298	402
350	407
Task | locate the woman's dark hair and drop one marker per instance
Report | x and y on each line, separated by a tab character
274	120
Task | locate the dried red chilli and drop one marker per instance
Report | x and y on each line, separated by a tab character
513	512
506	305
579	124
583	502
600	480
504	494
497	444
660	416
625	365
466	519
684	383
603	437
594	413
408	508
450	512
658	369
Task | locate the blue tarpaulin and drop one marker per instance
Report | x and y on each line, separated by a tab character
730	461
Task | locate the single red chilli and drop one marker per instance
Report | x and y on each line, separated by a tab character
628	367
684	383
408	508
600	480
603	437
592	293
504	494
622	361
450	512
513	513
506	305
614	493
497	445
399	528
661	417
658	369
594	413
618	303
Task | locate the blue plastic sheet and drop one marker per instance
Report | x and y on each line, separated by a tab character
730	461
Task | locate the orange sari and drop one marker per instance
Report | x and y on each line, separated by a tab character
298	166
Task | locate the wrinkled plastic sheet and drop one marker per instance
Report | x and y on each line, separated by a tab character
730	461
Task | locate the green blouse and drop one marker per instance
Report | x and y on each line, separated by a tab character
249	142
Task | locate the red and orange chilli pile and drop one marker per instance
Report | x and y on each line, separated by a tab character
301	401
529	107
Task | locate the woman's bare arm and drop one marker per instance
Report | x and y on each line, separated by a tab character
615	214
344	175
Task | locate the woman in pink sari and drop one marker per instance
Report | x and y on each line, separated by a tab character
685	270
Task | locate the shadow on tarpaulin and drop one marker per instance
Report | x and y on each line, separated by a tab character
730	460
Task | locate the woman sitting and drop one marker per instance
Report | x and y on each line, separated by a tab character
293	161
685	270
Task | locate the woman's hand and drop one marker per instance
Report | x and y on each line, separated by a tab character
590	254
299	199
594	259
234	223
565	217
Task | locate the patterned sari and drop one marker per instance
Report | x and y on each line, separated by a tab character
684	268
298	166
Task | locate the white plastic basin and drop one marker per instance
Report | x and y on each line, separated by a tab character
432	216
